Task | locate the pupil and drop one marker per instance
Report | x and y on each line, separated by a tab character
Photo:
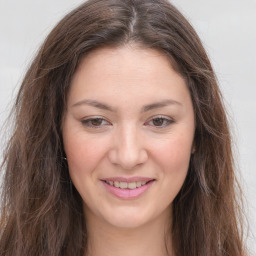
96	121
158	121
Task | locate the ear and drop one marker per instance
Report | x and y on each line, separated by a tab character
193	149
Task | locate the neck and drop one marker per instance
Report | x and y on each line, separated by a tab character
151	239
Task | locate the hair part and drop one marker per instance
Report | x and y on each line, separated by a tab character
42	211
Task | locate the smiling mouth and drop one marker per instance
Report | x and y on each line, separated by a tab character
127	185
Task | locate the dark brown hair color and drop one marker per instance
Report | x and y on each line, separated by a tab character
41	212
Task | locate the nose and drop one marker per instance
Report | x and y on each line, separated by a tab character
128	150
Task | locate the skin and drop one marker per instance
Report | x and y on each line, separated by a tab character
128	141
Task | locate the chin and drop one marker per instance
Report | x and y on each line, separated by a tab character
128	218
127	222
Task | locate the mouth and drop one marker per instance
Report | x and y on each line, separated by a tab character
127	185
127	188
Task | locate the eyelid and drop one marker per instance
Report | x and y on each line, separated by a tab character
86	120
166	118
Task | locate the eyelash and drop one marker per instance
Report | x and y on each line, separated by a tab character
88	122
164	119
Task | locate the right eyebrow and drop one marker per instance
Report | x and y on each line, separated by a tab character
95	104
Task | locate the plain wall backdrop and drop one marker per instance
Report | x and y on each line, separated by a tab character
227	29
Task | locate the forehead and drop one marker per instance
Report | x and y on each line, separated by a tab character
129	72
131	60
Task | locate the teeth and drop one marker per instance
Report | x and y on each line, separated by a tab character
123	185
138	184
116	184
131	185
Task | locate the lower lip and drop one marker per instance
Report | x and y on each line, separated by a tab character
126	193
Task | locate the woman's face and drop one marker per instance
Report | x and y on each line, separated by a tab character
129	121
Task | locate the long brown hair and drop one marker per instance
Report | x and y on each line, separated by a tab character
41	210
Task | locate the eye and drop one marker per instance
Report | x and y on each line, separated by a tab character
97	122
159	122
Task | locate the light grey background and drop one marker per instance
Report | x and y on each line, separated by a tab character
227	29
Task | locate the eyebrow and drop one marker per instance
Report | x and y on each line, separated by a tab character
146	108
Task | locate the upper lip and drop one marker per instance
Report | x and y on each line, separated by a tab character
130	179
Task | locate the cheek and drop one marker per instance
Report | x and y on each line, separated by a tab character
173	158
173	155
83	154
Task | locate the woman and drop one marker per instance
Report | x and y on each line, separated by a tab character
121	144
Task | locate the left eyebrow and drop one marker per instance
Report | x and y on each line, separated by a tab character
160	104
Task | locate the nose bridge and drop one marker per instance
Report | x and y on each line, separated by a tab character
129	143
129	150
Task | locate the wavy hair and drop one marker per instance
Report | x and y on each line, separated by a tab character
41	210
